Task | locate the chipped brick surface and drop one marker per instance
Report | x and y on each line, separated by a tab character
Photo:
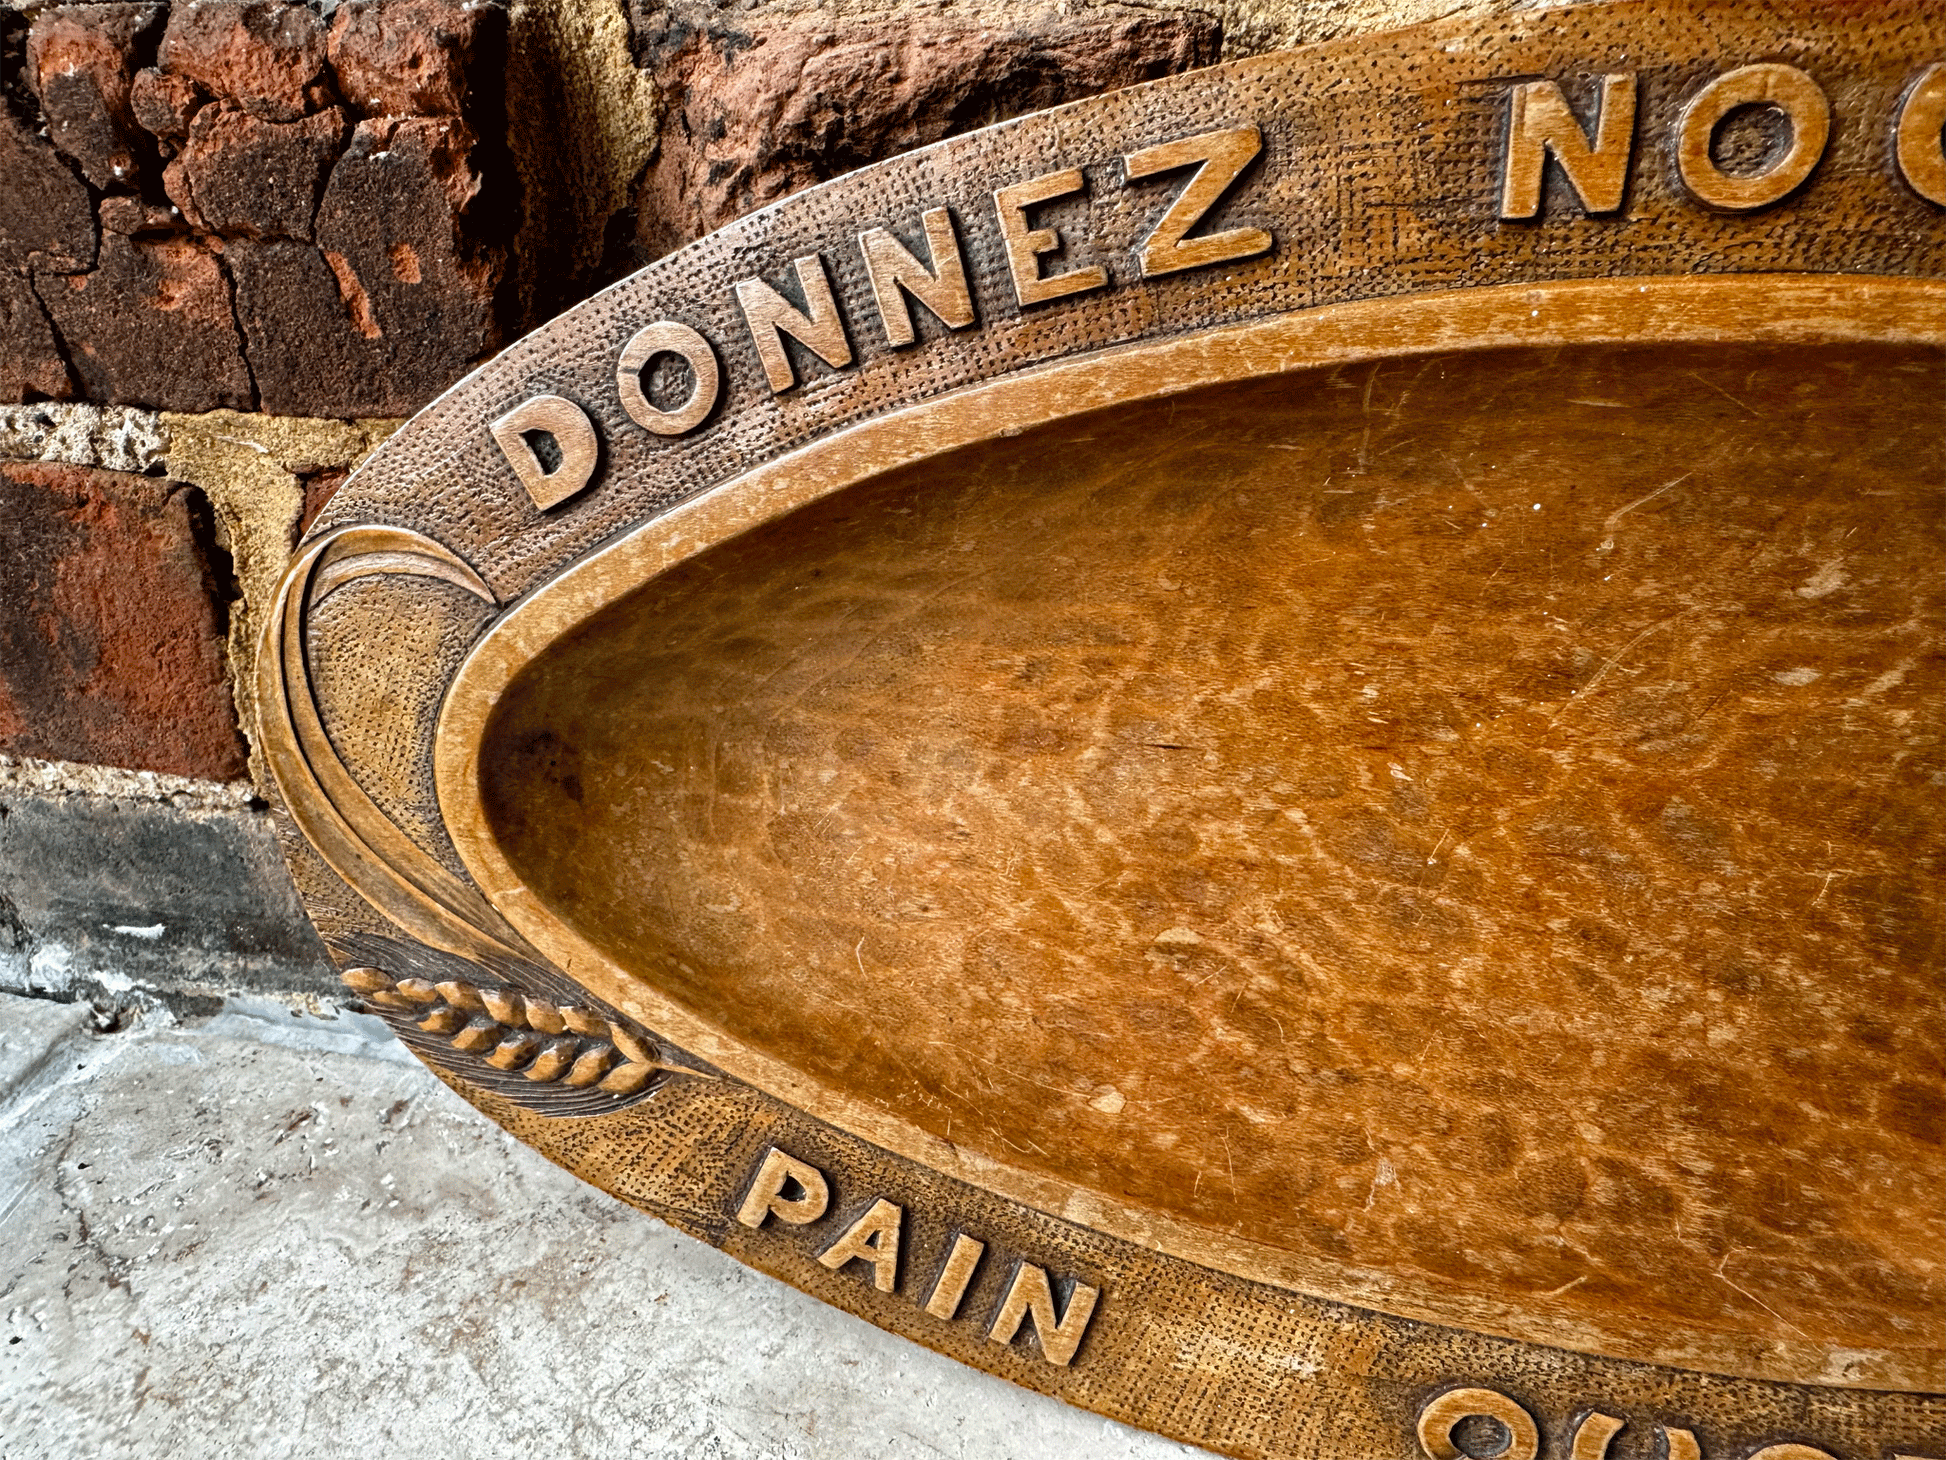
265	56
31	366
305	214
111	626
314	213
45	214
769	107
319	488
151	325
392	302
423	58
242	176
81	60
163	104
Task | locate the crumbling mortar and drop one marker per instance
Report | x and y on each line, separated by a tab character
582	122
248	465
114	438
26	775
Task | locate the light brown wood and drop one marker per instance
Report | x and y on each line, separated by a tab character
696	353
939	285
1219	159
1305	810
1541	125
1026	244
978	753
1922	163
570	441
770	317
1768	85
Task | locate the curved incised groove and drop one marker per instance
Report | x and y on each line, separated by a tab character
359	842
1374	805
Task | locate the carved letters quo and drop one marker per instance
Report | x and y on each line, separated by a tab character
1516	1437
797	1194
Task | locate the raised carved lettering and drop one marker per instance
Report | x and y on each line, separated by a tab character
1769	83
819	326
1025	245
1442	1416
766	1198
1594	1435
669	338
551	444
873	1238
1219	158
1540	123
941	288
1917	144
1029	1296
956	1276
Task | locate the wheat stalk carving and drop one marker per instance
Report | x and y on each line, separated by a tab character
518	1033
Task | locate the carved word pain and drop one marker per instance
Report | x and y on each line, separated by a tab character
795	1193
1517	1437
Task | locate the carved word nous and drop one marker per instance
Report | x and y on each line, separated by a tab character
1444	1413
1541	124
796	1193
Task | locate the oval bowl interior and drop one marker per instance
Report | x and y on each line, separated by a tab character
1447	832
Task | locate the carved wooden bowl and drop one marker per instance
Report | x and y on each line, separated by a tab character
1302	808
1438	831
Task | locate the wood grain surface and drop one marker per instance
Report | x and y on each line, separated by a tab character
1256	751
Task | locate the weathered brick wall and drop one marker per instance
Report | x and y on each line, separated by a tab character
240	239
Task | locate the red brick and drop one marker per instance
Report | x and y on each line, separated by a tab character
123	214
265	56
152	325
112	624
46	217
30	361
319	488
246	176
164	104
769	107
396	301
416	58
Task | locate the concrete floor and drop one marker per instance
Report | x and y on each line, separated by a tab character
268	1236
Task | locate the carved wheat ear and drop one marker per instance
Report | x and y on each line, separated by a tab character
361	844
549	1043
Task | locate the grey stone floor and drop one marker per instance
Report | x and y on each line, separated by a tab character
269	1236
